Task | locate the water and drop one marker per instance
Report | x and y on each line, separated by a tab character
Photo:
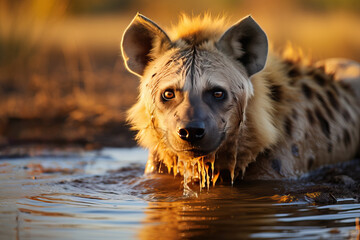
104	195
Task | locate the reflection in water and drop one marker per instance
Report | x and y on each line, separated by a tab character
221	213
77	216
110	199
238	212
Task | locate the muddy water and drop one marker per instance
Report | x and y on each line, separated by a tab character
103	195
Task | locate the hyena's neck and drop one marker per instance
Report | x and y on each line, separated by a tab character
265	114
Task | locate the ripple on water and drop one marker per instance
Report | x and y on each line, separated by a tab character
110	198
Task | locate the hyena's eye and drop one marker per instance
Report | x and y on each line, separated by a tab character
218	94
168	94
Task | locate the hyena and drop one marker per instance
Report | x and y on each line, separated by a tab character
214	100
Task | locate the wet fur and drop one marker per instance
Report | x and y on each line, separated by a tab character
296	116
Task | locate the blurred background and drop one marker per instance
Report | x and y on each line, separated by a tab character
62	79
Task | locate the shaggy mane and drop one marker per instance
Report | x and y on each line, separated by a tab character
198	28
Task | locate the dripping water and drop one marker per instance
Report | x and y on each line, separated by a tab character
197	170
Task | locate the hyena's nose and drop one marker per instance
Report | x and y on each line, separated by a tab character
192	131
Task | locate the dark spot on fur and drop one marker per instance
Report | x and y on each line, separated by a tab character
345	86
324	124
325	105
153	75
276	93
306	135
294	72
330	147
294	114
310	116
320	98
347	139
288	126
310	162
276	165
332	99
320	78
295	150
308	92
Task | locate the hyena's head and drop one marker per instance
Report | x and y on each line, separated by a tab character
195	83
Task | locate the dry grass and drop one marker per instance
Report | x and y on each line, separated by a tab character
55	66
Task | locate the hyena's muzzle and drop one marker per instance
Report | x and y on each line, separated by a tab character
194	128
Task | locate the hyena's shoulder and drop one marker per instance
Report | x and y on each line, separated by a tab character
317	115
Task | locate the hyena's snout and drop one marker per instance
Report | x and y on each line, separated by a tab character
191	132
193	126
195	132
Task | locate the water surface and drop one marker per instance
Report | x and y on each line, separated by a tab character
73	194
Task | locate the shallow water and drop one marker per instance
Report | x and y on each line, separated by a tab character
103	194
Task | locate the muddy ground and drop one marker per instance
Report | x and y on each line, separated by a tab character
20	132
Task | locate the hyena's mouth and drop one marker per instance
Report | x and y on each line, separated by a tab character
201	169
195	151
198	164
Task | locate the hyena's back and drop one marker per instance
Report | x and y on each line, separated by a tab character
320	120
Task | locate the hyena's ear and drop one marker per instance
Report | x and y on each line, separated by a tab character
247	43
140	38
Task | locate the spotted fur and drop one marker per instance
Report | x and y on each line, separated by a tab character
285	120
